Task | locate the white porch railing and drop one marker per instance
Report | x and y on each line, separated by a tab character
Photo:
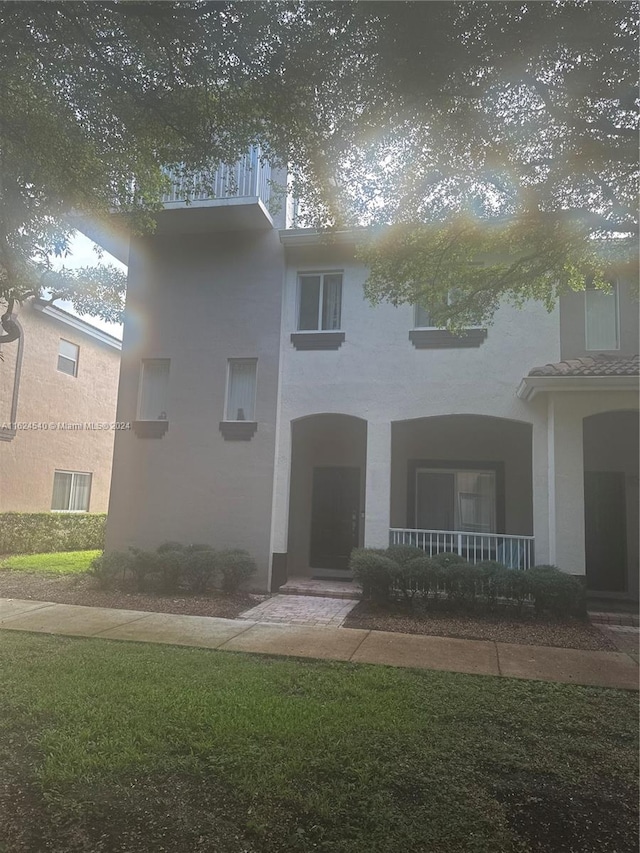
250	176
516	552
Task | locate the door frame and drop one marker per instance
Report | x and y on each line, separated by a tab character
337	573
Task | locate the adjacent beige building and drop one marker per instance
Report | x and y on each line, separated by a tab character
58	389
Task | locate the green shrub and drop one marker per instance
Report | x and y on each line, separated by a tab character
146	569
110	570
169	546
422	576
493	580
403	554
461	580
46	532
375	573
236	567
447	559
200	570
555	592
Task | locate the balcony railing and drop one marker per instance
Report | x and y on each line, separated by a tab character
249	177
515	552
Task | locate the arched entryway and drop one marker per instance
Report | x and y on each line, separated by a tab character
327	488
611	508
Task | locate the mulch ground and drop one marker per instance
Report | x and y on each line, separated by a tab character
527	630
78	589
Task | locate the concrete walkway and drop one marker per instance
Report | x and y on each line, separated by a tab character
301	610
478	657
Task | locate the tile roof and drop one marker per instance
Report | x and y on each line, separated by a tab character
600	365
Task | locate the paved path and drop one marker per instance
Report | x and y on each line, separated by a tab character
481	657
301	610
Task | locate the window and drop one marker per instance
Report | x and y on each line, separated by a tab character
68	357
154	383
319	301
422	319
241	389
449	499
601	318
71	491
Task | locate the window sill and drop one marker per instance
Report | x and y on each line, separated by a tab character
443	339
317	340
238	430
150	429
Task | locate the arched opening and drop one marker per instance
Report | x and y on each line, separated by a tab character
464	482
328	461
611	508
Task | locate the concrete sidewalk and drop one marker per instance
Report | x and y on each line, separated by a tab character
477	657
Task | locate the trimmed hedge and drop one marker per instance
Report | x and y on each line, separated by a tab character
173	567
45	532
408	573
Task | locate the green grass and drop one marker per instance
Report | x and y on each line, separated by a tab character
128	747
59	563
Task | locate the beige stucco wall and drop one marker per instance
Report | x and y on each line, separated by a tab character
47	396
199	301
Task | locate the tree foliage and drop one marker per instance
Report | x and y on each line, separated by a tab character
496	142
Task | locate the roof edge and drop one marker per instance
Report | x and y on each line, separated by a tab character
78	324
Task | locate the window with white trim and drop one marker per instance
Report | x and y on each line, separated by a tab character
71	491
602	326
319	301
154	385
68	354
241	389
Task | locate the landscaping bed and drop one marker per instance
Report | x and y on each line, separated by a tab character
81	589
527	629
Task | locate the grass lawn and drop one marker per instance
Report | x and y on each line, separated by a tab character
59	563
123	747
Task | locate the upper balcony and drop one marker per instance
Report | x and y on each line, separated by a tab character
225	198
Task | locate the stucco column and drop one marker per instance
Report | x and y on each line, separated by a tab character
378	485
542	481
566	486
281	483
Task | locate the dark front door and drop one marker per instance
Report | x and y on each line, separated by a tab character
335	514
605	530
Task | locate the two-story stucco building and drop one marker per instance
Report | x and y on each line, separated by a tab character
275	409
58	389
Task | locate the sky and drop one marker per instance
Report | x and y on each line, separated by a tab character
83	255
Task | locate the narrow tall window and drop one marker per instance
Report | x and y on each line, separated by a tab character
422	319
601	318
154	384
71	491
319	301
241	389
68	357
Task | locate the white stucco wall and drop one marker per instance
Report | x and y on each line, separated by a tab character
379	376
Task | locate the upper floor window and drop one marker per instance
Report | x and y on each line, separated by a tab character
68	357
154	384
319	301
602	328
71	490
241	389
